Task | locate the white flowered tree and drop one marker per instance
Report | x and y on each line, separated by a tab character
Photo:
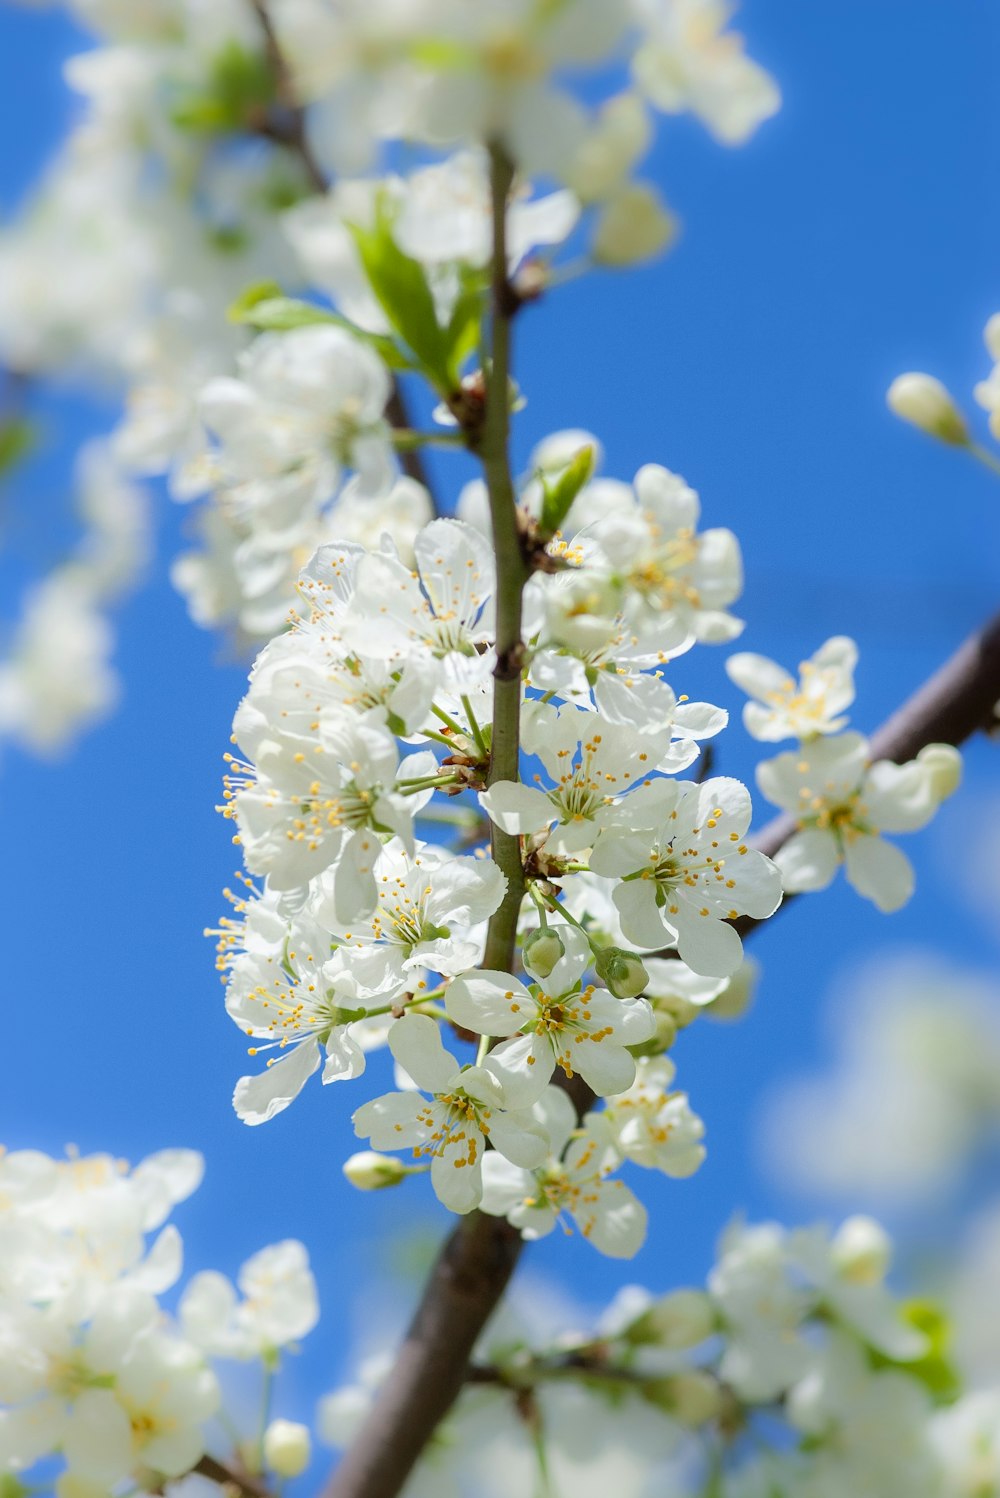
479	825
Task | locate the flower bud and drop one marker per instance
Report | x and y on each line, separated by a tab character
662	1037
862	1251
542	949
692	1398
633	226
287	1448
944	765
676	1321
924	402
371	1172
622	972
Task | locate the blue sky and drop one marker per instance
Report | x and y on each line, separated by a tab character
858	235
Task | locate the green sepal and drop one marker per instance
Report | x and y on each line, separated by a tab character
558	497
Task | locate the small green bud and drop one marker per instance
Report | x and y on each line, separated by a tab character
622	972
541	950
371	1172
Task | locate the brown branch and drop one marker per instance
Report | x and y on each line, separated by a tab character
480	1255
466	1283
231	1478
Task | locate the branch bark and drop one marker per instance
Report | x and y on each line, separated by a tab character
479	1257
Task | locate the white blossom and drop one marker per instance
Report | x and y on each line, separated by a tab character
785	708
843	803
467	1105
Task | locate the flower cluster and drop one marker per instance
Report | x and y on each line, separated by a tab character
795	1370
362	933
94	1371
842	799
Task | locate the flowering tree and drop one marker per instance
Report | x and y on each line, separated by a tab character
479	826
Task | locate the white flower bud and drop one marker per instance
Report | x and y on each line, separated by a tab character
681	1319
541	951
633	225
924	402
862	1251
662	1037
287	1448
371	1172
691	1398
944	765
622	972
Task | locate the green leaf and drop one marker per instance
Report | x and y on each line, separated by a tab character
559	495
401	288
265	307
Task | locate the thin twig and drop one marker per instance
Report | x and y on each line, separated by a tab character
229	1477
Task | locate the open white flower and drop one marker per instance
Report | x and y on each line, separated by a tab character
444	609
428	911
677	578
298	1000
690	872
689	61
652	1125
787	709
278	1305
323	793
467	1106
573	1183
581	1029
309	401
590	764
843	804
